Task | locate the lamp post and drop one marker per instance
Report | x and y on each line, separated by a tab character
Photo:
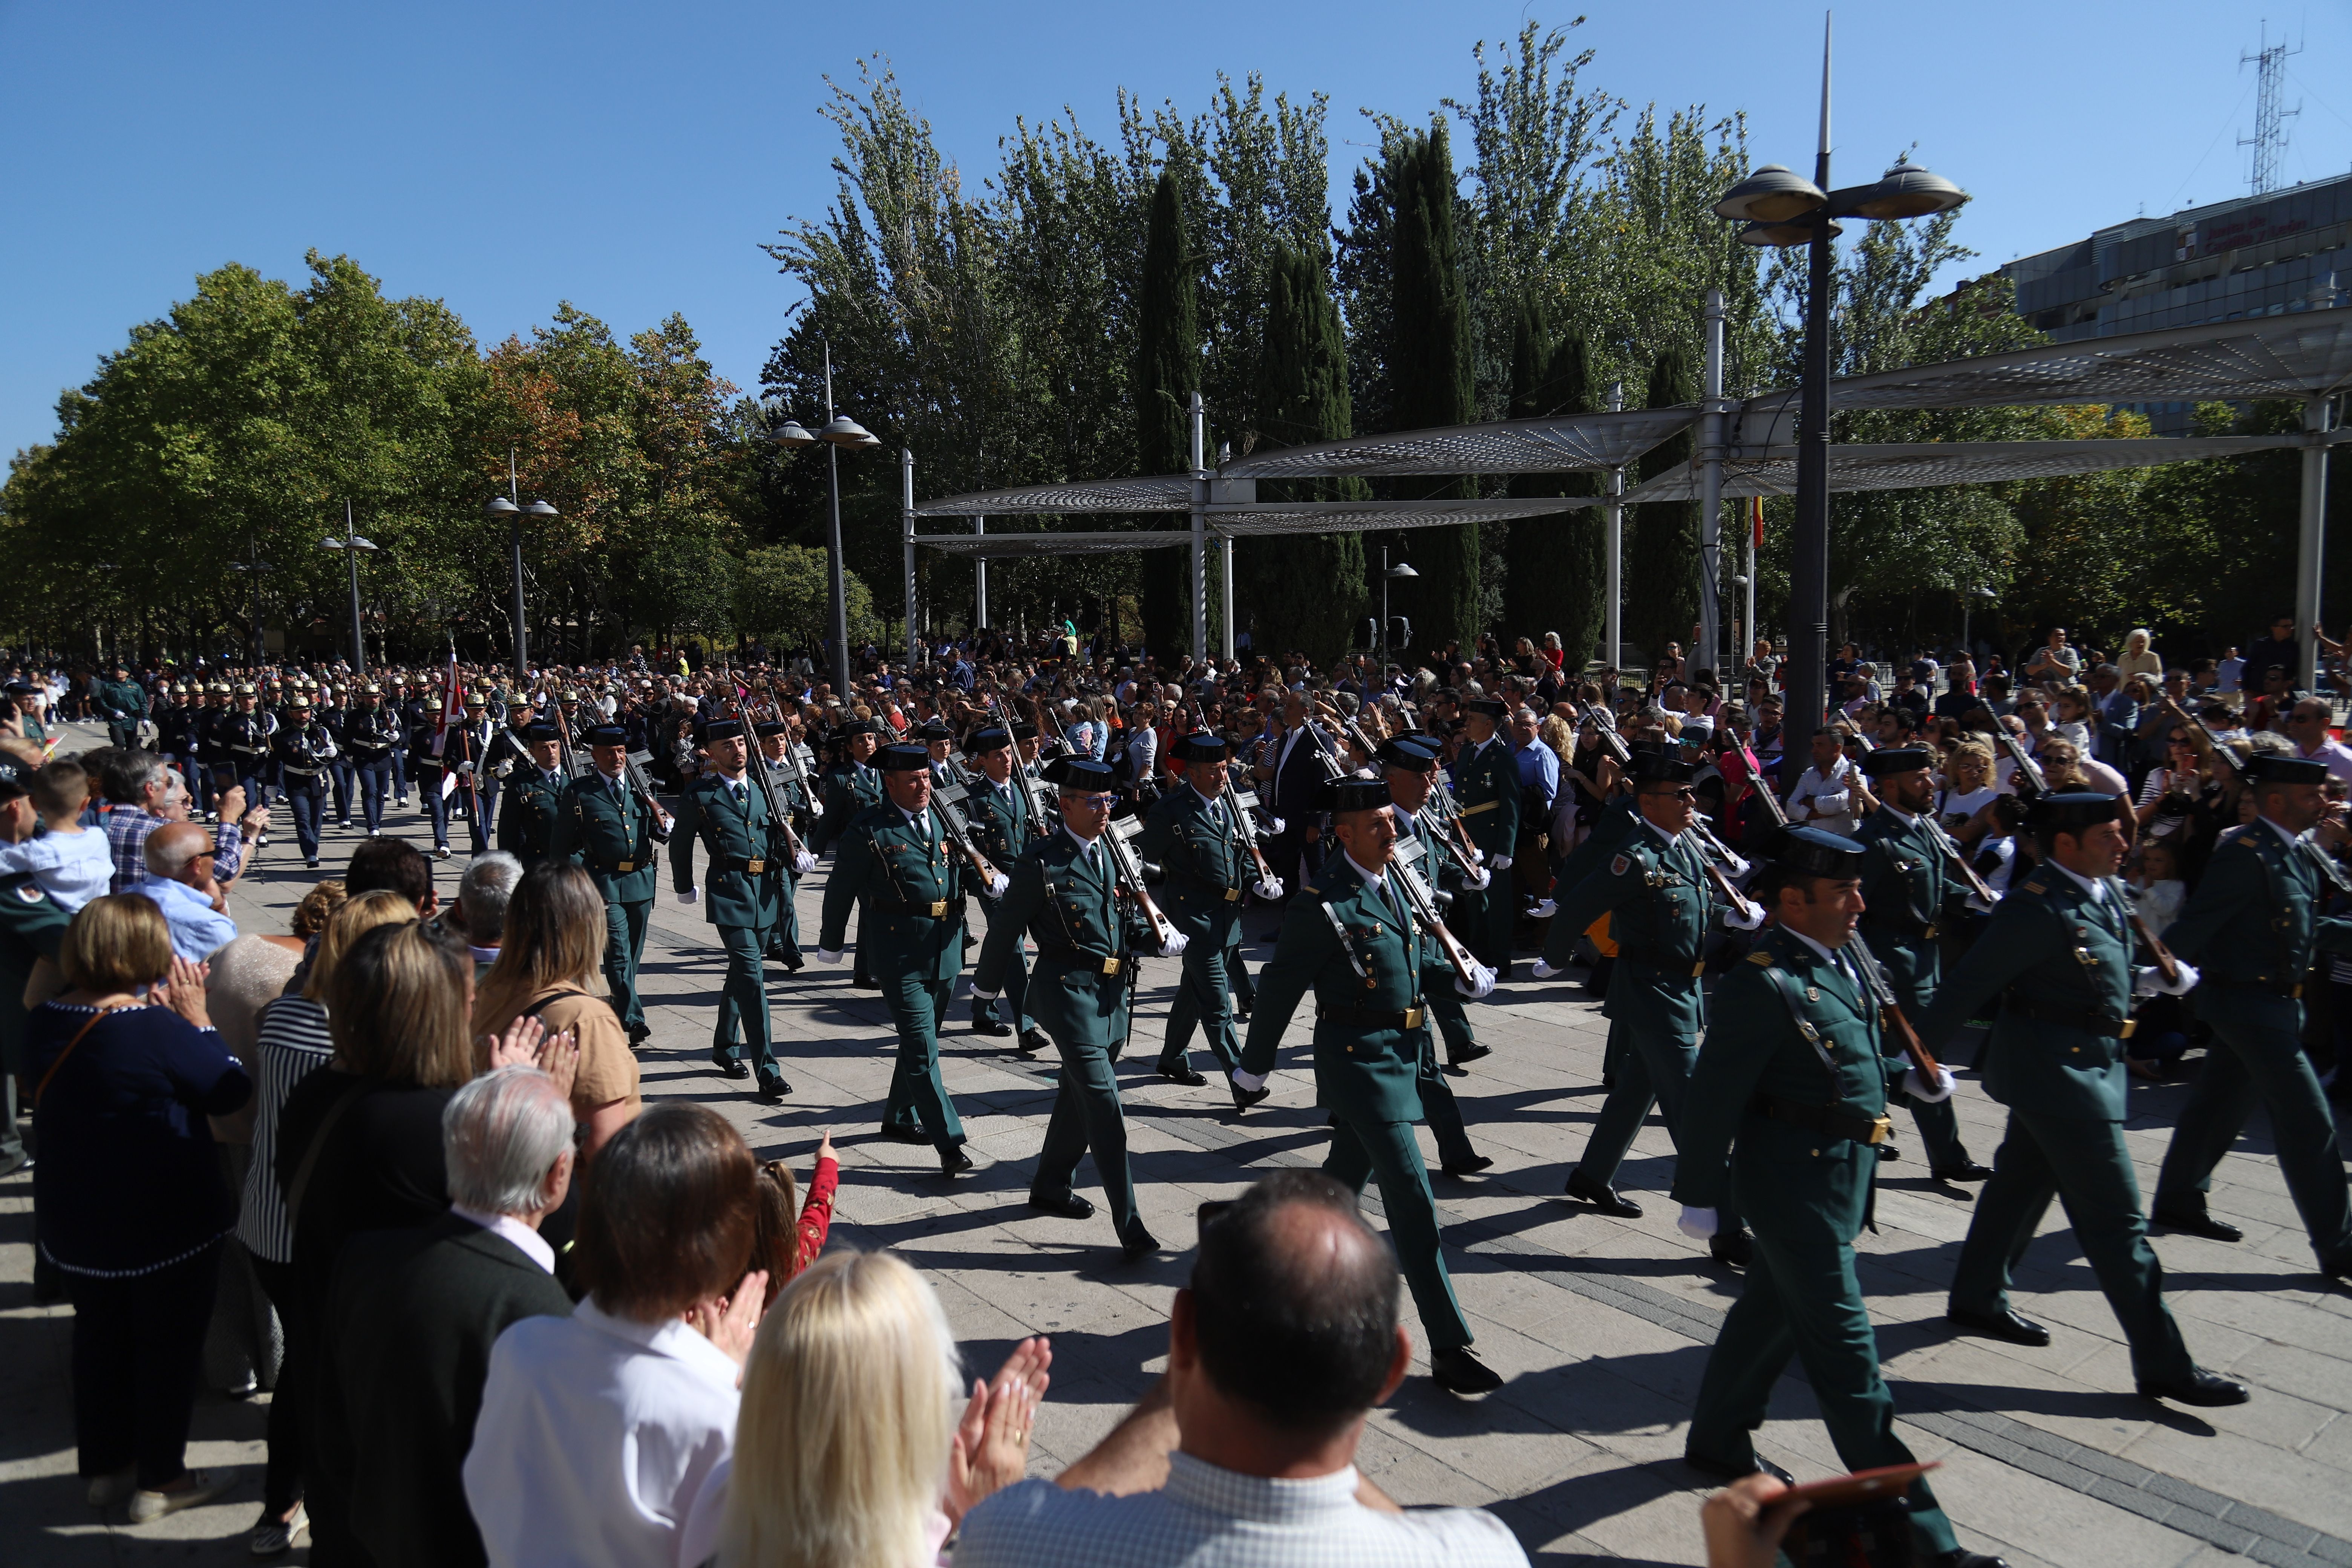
840	430
1968	649
252	566
509	510
1782	208
1396	573
350	545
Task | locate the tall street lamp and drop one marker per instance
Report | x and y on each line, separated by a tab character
839	431
1782	208
252	566
1967	597
509	508
350	545
1396	573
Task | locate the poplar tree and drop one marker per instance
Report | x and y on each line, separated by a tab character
1429	368
1554	581
1166	373
1661	537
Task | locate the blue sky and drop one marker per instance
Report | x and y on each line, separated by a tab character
631	158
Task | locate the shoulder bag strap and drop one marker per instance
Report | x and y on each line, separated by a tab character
302	1183
42	1087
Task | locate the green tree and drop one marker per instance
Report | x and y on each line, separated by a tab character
1553	582
1167	375
780	596
1429	366
1662	537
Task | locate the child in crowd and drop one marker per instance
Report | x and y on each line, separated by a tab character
70	862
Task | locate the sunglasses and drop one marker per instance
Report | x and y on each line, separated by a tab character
1098	801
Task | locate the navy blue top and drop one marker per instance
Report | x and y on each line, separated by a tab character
128	1180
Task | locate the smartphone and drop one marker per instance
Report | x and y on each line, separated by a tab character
1862	1486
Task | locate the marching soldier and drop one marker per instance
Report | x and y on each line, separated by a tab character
897	867
1656	892
371	735
850	787
1909	898
1486	785
725	811
470	743
1410	769
426	769
534	793
1002	826
604	824
776	737
2058	955
1349	937
2253	923
334	717
940	740
246	733
124	703
303	749
1065	893
1192	835
1787	1110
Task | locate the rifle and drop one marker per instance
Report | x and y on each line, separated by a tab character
1763	787
950	800
1955	860
1424	907
1130	872
632	768
2213	742
1239	804
1440	804
1030	790
1890	1012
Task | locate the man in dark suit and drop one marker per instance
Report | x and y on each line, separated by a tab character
1295	775
416	1313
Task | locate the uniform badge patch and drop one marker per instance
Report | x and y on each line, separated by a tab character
30	892
1621	865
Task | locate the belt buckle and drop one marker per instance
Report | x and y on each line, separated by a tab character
938	908
1929	932
2124	1032
1698	969
1111	966
1881	1129
624	868
754	867
1233	895
2297	991
1412	1017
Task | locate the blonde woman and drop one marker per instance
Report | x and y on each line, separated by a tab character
552	944
848	1437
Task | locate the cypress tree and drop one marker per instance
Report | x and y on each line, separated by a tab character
1168	372
1303	592
1555	563
1429	370
1661	537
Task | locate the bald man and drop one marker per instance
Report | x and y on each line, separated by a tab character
179	856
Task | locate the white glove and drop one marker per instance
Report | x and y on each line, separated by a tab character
1270	889
691	896
804	863
1500	862
1734	866
1746	917
1248	1082
828	955
1474	879
1544	970
816	809
1275	825
997	883
1699	1224
1175	945
2147	980
1543	909
980	995
1481	984
1918	1088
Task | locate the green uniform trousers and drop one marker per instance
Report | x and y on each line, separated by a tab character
1443	1116
1202	1000
1939	1129
2083	1164
743	1001
1389	1153
919	1095
1800	1298
1010	1006
624	948
1088	1116
1483	917
784	936
2258	1056
1651	1069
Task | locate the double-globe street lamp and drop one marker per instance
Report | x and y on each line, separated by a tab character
1782	208
509	508
838	431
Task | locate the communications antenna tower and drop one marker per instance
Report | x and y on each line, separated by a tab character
2269	139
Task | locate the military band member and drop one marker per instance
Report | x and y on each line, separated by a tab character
1661	907
1065	893
726	813
1192	835
2253	923
371	735
245	735
303	749
1486	788
1350	940
1783	1118
1910	897
478	788
997	808
2057	954
533	793
610	830
897	867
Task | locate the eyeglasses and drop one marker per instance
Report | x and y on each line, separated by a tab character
1095	801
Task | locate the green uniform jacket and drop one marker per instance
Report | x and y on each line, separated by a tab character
1660	903
1611	827
1795	1027
2254	917
882	863
734	836
1907	890
125	700
527	810
849	788
1486	786
613	839
32	927
1208	862
1362	1072
1069	907
2049	945
1000	823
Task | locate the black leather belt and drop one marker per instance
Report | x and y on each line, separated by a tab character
299	772
936	909
1829	1121
2072	1017
1693	967
2269	987
1078	958
1373	1017
750	867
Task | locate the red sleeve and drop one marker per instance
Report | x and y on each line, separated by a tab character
816	1215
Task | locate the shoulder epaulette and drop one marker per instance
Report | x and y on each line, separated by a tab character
2036	885
1763	958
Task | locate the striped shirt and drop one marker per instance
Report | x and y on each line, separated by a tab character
291	1045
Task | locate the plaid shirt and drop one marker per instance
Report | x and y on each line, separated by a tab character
127	828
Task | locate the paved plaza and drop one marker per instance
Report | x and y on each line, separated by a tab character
1600	1326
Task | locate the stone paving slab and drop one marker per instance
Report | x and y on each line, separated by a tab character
1602	1325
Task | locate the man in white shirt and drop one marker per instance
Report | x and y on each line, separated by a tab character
180	881
1243	1455
1826	795
2306	726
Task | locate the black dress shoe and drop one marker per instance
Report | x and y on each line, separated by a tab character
1966	1171
2203	1225
1141	1245
2005	1324
1725	1470
1468	1054
954	1162
1732	1249
639	1034
1036	1040
1960	1557
981	1023
2199	1387
1245	1098
729	1067
1068	1206
1604	1198
1184	1076
1459	1371
904	1134
1470	1167
772	1089
1890	1151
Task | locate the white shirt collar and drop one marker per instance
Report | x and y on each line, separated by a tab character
1205	799
1908	817
508	1228
2292	838
669	1337
1671	839
1377	881
2097	891
1084	844
1828	955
